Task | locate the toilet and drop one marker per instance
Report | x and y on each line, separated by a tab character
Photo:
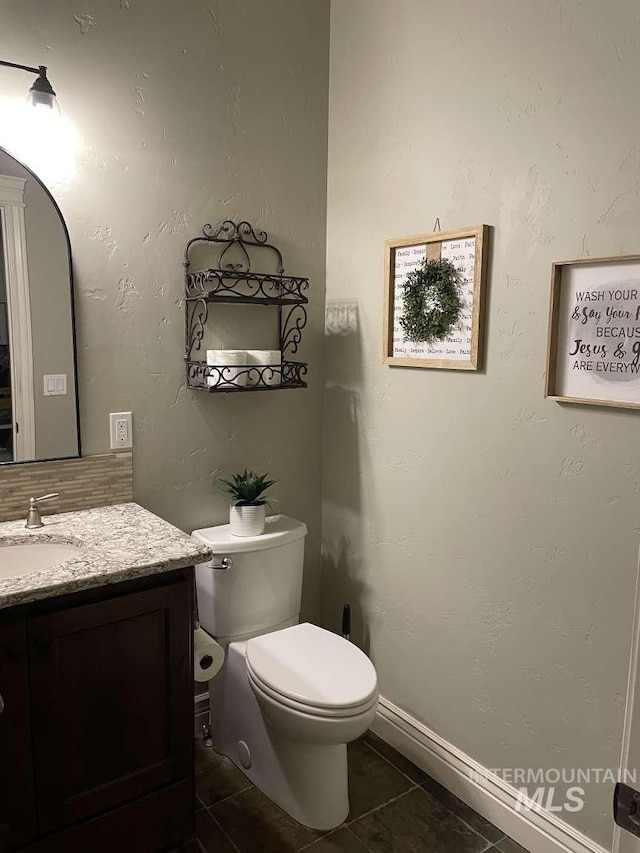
289	696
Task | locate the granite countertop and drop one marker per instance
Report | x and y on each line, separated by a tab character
119	543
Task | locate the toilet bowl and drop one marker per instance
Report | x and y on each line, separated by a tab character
308	727
294	751
290	696
312	685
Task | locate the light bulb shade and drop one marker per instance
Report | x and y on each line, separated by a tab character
41	94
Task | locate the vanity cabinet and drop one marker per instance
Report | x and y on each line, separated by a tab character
17	791
96	747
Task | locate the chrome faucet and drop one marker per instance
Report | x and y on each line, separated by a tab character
33	516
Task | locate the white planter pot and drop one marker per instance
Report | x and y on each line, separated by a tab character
247	520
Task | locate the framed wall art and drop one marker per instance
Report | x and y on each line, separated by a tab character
434	289
594	332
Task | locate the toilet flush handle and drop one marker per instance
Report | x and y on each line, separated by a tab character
224	564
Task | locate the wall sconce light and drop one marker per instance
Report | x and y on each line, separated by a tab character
41	93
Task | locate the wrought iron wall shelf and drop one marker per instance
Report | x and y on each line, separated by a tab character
233	282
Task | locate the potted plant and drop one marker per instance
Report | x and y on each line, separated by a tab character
248	502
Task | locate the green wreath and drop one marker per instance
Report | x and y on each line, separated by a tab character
431	304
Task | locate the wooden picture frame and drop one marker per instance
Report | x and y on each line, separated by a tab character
593	357
464	348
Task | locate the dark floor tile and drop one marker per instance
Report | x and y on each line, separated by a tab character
508	845
341	841
212	839
256	825
403	764
191	846
481	825
372	780
217	776
416	823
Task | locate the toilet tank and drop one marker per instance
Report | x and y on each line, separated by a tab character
262	587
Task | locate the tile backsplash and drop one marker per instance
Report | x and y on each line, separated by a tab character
82	483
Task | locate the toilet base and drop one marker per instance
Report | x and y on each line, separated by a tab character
308	781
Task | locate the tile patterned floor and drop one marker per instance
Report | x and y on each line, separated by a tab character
395	808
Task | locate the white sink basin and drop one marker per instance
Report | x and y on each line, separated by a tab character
23	558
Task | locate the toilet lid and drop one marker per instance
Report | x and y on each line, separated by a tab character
313	667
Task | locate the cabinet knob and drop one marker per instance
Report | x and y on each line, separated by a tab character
1	704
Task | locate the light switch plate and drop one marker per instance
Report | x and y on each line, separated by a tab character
120	430
55	384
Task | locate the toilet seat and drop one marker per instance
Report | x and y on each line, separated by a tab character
312	671
261	688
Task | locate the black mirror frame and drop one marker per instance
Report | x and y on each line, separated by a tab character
73	314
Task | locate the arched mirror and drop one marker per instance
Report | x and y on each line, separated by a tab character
38	386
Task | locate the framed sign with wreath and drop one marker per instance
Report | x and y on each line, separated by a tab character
434	299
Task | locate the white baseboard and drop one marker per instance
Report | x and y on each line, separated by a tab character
492	797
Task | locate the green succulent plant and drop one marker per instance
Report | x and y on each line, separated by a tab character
247	489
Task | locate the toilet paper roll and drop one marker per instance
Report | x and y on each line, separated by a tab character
226	356
265	358
208	656
225	373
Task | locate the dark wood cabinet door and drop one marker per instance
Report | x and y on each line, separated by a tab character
111	701
17	797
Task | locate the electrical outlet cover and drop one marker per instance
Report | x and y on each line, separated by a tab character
120	430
